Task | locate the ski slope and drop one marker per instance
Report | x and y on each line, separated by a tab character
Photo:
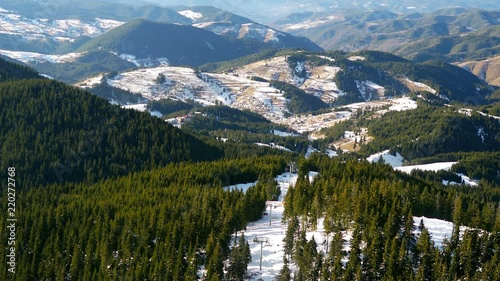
272	230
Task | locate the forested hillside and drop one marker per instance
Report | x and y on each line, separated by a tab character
54	132
107	193
180	44
13	71
368	212
389	71
431	134
167	223
233	126
161	224
430	130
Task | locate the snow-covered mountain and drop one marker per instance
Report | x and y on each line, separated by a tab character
49	35
258	33
22	33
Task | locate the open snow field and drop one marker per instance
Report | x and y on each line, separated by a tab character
427	167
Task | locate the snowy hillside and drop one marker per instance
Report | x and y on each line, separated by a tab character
28	57
180	83
245	87
62	30
370	90
319	81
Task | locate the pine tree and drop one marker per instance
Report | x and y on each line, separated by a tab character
239	259
285	272
426	260
215	264
293	226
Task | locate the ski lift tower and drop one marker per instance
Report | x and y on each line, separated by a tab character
261	240
271	205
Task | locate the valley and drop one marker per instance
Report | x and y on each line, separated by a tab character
244	88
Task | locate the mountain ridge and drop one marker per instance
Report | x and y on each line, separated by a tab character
382	30
181	45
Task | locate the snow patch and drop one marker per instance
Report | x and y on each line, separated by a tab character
439	229
142	107
284	134
394	161
356	58
420	86
273	145
326	58
331	153
481	133
143	62
402	104
446	166
241	186
465	180
368	88
191	14
27	57
310	151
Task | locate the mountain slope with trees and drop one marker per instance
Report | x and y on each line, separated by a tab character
54	132
181	45
370	208
160	224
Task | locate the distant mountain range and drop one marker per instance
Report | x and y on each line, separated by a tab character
414	35
269	11
93	37
25	29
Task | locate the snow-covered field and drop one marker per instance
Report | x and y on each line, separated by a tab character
284	134
396	104
402	104
434	167
180	83
393	160
427	167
